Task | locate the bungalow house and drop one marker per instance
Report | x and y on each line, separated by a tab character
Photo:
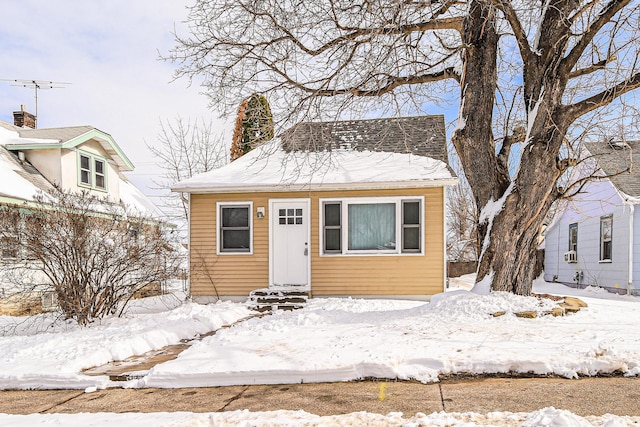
595	237
71	158
331	209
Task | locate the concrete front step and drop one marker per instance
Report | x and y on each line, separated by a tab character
281	298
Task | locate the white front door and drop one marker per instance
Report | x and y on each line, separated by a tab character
289	246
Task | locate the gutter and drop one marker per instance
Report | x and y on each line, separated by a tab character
263	188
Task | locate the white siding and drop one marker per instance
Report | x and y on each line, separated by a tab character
599	199
636	250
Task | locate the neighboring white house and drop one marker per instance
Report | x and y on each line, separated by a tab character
594	239
71	158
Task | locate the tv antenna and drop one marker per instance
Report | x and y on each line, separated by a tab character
36	85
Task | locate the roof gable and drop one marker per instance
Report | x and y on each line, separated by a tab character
616	160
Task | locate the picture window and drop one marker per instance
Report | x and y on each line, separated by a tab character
372	226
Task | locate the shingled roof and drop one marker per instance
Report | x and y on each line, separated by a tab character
422	135
408	152
616	159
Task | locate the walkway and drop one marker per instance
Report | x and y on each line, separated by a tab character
588	396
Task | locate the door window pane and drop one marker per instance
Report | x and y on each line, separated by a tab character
372	226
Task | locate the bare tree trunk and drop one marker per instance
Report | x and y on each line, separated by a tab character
512	209
507	261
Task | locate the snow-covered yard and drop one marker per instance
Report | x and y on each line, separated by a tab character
332	340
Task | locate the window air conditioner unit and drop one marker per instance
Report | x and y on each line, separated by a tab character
570	256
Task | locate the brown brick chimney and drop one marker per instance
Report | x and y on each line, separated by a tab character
24	119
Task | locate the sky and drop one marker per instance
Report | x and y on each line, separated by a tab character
108	53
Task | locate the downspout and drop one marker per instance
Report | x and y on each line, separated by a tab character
190	245
631	232
445	285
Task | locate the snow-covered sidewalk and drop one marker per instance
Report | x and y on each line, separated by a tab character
547	417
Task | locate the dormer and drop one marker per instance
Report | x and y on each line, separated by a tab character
75	158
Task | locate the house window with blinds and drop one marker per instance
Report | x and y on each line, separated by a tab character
384	225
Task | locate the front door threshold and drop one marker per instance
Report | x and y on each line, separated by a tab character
300	288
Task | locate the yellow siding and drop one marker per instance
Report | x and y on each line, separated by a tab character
213	274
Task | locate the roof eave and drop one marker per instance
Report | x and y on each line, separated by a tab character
316	187
107	142
103	138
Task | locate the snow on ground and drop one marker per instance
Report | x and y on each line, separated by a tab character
547	417
346	339
329	340
42	352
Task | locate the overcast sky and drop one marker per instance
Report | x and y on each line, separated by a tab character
108	52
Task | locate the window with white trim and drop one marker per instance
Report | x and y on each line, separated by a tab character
606	231
234	227
383	225
573	237
85	170
100	177
92	171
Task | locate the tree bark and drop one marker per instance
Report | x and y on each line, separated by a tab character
513	204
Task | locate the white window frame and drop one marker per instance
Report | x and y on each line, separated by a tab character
344	227
603	219
92	171
96	174
573	246
81	169
231	204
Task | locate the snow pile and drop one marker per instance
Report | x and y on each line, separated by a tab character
547	417
347	339
331	340
54	359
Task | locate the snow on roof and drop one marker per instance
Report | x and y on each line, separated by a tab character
10	135
269	167
20	180
64	137
132	197
50	135
397	152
